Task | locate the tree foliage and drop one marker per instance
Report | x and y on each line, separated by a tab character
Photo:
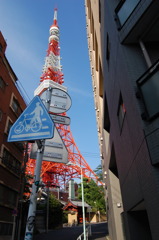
56	214
93	195
98	172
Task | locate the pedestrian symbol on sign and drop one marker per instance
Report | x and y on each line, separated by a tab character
34	123
38	111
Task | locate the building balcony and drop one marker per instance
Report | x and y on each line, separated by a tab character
148	85
137	18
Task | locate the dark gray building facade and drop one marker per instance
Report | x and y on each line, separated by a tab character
123	43
130	55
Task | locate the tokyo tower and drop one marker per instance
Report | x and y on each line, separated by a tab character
58	174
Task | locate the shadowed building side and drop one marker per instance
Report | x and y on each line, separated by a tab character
124	58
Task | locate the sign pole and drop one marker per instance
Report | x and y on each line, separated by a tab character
14	225
33	198
83	209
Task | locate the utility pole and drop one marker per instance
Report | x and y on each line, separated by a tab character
82	190
83	209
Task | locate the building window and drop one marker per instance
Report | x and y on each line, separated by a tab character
121	112
108	48
2	83
113	163
1	47
6	228
7	196
9	124
11	162
149	88
1	194
15	105
1	114
106	115
125	9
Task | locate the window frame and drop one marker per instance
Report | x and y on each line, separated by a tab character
140	82
2	86
1	115
1	47
10	162
118	8
7	125
121	112
17	111
107	48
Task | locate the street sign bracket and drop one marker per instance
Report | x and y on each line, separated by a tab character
39	143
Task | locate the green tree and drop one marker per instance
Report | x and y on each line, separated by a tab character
55	212
98	172
93	195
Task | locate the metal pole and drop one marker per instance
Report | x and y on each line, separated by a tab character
83	210
33	198
90	231
98	215
145	53
58	193
14	224
47	210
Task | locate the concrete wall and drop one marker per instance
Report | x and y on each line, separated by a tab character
72	218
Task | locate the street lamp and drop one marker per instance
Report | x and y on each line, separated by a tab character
82	189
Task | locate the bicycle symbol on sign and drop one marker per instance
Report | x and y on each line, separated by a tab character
31	123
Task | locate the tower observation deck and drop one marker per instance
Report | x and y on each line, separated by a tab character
58	174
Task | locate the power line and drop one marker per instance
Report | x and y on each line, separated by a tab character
23	92
90	154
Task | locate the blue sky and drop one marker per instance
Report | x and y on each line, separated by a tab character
25	26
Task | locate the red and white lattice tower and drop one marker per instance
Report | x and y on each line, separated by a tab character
58	173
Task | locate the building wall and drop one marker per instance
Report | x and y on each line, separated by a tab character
133	156
11	154
94	39
72	219
95	34
129	122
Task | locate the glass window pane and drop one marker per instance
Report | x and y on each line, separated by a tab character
150	92
126	9
9	126
15	105
121	112
2	84
1	47
1	193
1	115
